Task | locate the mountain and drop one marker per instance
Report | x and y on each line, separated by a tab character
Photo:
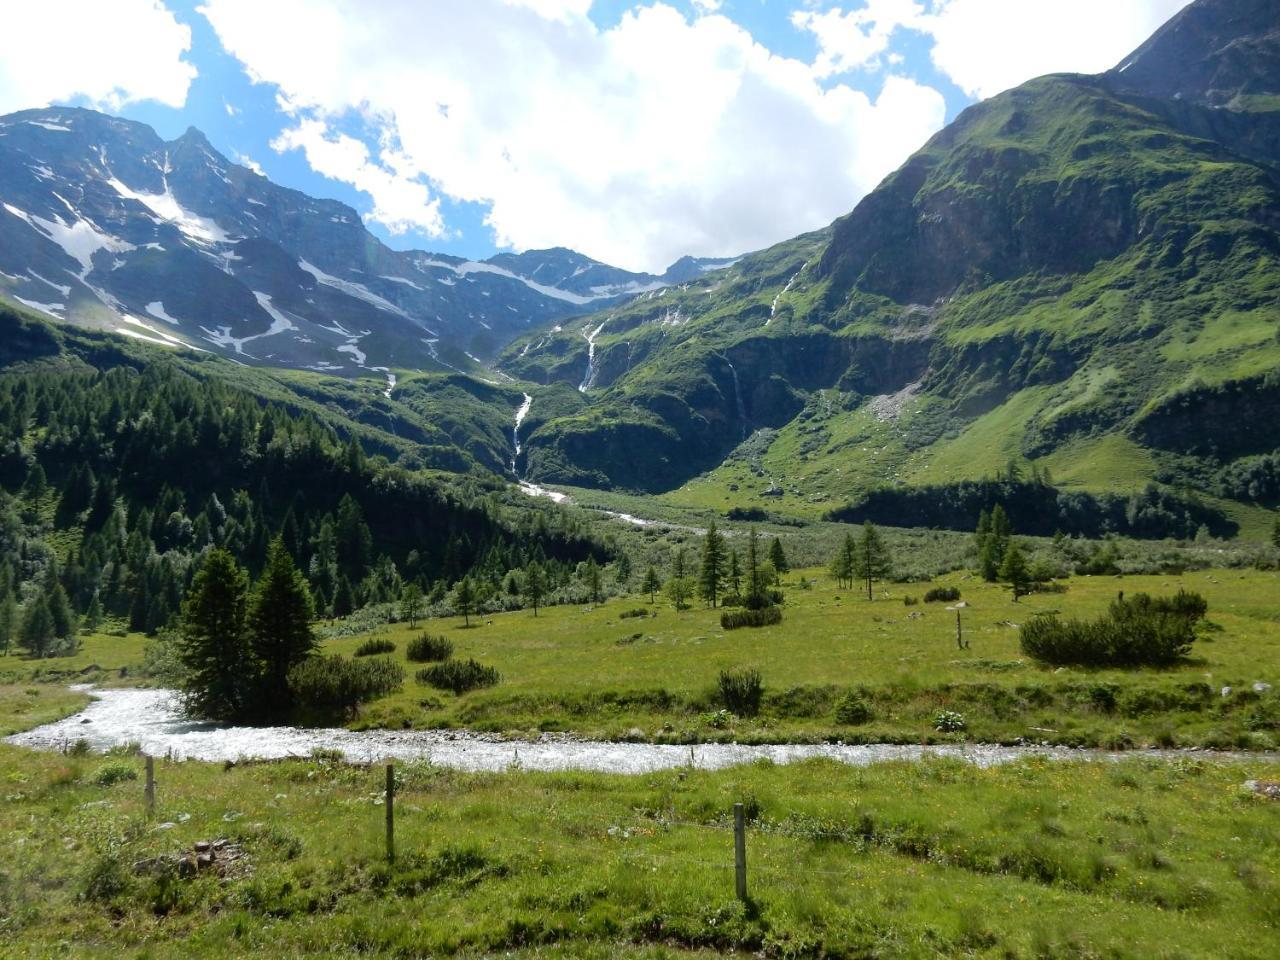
1080	276
104	223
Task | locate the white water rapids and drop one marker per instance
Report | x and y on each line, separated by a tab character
152	720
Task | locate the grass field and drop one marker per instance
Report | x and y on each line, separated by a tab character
589	670
1131	859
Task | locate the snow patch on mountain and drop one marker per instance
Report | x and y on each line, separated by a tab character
357	290
169	210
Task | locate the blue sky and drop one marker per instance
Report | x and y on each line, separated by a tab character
635	132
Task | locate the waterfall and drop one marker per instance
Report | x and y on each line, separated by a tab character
521	412
737	396
783	292
589	380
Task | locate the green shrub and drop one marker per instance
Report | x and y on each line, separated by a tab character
853	710
336	685
112	773
459	676
942	595
1141	631
375	646
426	649
768	617
637	612
910	601
741	691
948	721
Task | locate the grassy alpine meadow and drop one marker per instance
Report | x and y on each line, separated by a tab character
840	667
1135	858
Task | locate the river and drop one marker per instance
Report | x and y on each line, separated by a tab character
152	720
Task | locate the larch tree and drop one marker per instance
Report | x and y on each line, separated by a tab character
871	559
711	572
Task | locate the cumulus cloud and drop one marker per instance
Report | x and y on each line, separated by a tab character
660	136
401	202
987	46
856	39
110	53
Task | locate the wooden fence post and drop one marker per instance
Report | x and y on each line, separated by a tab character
740	850
149	792
391	813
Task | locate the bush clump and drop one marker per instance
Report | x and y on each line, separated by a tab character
428	649
336	685
741	691
375	646
459	676
630	614
942	595
1140	631
767	617
853	710
113	773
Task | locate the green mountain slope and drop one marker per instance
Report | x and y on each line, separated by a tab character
1082	273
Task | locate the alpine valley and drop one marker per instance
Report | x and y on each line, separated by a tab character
1073	291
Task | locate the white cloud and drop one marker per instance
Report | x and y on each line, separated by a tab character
401	202
247	161
855	39
111	53
660	136
987	46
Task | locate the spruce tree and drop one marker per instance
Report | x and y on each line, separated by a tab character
37	634
756	596
678	563
535	585
1013	570
279	622
8	620
214	645
344	598
1275	532
64	618
734	576
993	543
622	575
778	557
711	573
592	577
842	563
651	583
93	615
871	560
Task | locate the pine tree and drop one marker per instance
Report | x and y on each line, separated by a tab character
214	646
1013	570
535	585
279	622
37	634
734	576
464	599
871	560
651	584
711	573
411	604
778	557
